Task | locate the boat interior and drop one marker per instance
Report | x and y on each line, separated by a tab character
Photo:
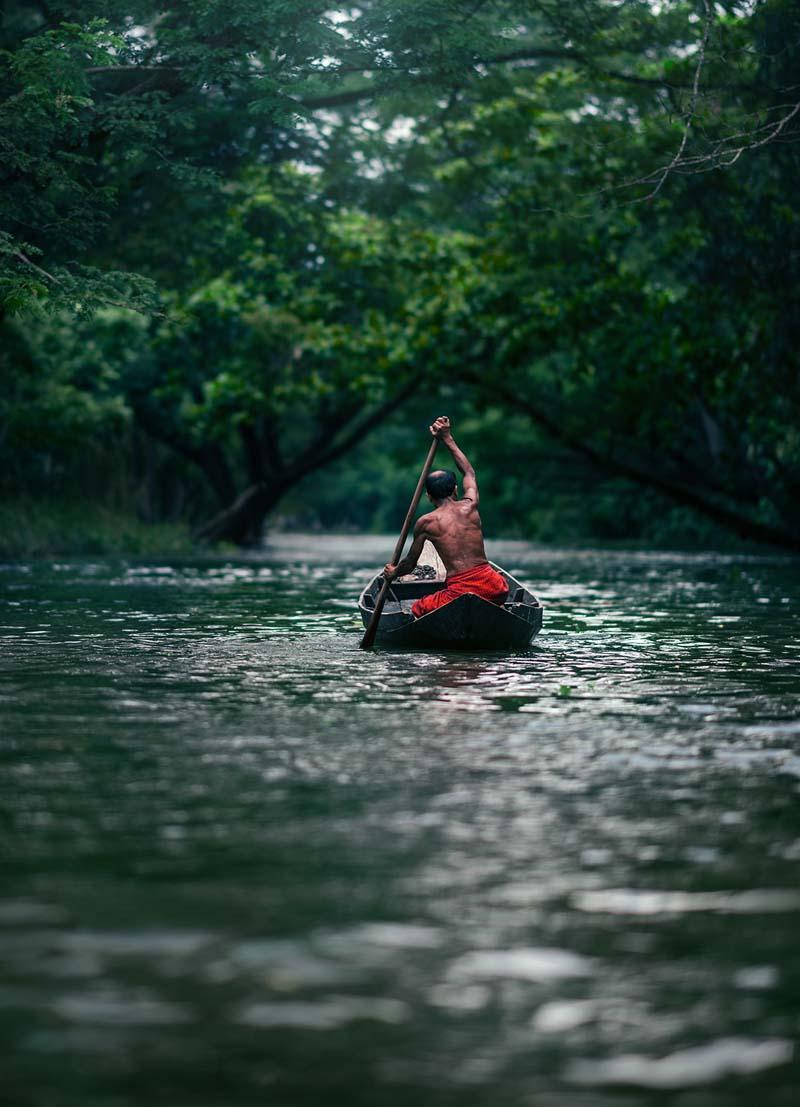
402	594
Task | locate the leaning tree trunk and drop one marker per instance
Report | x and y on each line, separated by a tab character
271	478
243	521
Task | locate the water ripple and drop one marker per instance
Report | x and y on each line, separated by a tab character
243	858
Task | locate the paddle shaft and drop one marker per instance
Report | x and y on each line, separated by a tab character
372	629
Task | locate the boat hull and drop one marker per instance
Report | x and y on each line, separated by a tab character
466	623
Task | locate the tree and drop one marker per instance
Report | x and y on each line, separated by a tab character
657	339
113	114
279	333
56	406
308	330
155	138
576	207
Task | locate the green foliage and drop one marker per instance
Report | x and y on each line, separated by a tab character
47	528
583	216
59	398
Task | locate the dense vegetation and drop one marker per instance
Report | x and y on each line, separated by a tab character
237	239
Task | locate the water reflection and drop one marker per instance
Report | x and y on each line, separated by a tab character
231	834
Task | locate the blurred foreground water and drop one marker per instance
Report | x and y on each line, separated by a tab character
245	863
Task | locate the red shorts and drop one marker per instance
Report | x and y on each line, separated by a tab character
483	581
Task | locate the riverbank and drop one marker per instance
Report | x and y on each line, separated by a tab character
47	528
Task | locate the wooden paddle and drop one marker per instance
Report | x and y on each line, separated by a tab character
371	631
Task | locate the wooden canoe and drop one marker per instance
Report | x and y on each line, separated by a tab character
467	623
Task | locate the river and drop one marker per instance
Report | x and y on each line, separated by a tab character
245	863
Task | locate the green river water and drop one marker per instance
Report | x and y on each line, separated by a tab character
244	863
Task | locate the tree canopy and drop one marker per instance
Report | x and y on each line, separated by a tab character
250	231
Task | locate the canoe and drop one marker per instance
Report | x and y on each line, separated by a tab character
467	623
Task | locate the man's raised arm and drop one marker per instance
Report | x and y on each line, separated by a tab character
441	429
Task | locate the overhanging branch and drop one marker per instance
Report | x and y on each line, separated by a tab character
685	495
360	428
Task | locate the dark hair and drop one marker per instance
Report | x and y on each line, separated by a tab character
440	484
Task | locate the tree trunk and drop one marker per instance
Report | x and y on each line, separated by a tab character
242	522
213	462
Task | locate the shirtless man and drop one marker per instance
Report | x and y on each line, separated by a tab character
454	528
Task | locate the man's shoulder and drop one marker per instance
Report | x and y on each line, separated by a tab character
424	522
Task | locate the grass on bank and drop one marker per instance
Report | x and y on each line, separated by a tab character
46	528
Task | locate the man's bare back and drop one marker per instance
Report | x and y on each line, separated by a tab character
454	527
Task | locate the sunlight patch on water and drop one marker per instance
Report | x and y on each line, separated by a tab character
535	965
626	901
19	912
563	1015
135	943
119	1008
685	1068
326	1014
287	966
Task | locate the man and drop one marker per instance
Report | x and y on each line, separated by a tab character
454	528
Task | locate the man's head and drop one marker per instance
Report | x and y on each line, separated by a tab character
441	485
